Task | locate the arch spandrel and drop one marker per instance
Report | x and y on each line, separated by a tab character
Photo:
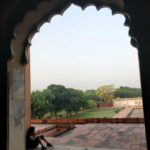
115	5
33	15
45	10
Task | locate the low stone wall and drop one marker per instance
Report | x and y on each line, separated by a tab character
45	129
88	120
55	130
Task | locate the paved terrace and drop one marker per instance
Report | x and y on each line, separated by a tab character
136	113
60	147
103	136
124	113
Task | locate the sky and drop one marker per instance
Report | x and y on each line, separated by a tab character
84	50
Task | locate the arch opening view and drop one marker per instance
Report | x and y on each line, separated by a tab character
83	67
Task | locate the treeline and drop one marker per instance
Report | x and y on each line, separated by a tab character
57	98
127	92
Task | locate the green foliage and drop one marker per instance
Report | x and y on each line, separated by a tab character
91	94
47	116
72	102
57	99
127	92
39	104
91	104
117	110
106	92
49	102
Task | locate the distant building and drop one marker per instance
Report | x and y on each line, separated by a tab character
128	102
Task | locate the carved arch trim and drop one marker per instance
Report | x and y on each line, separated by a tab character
44	11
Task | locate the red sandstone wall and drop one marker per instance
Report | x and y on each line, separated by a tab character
84	121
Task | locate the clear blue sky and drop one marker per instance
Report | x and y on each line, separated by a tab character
84	50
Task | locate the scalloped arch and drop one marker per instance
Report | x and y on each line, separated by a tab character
45	10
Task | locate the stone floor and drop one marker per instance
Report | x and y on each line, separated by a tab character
104	136
60	147
136	113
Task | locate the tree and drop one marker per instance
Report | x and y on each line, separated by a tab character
106	92
91	104
91	94
39	105
127	92
49	97
72	101
84	104
68	101
57	97
88	95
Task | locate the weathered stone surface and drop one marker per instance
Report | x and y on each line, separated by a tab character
108	136
60	147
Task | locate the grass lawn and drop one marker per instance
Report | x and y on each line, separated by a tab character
101	113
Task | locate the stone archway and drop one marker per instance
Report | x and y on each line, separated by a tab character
18	67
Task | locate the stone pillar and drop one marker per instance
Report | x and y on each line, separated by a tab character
27	94
144	61
16	105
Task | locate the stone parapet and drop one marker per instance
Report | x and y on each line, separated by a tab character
88	120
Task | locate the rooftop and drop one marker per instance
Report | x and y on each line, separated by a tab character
103	136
